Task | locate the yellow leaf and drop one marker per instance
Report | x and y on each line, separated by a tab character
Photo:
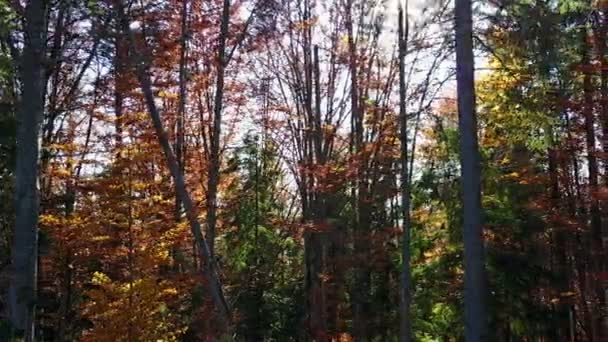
100	279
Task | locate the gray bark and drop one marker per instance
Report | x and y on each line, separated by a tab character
22	289
474	287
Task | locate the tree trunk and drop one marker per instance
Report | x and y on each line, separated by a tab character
601	44
474	287
22	290
326	312
214	169
361	289
406	296
119	88
181	113
592	167
600	39
362	251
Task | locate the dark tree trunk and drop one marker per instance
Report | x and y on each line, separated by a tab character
406	296
214	170
474	282
592	168
181	114
361	291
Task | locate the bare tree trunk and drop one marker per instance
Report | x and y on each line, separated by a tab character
361	245
406	296
214	169
600	39
119	76
22	290
181	114
601	44
474	282
209	270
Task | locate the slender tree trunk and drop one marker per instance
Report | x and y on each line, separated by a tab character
600	35
361	246
592	167
601	43
474	282
181	113
22	289
119	74
214	169
326	312
406	296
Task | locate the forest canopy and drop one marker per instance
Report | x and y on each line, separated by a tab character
303	170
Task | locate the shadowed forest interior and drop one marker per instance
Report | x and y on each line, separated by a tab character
304	170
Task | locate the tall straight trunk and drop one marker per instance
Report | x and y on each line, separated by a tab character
600	37
320	314
119	75
181	112
22	289
361	246
318	242
406	296
210	270
474	282
592	168
214	169
601	44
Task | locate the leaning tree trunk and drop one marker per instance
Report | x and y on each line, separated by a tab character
474	287
22	290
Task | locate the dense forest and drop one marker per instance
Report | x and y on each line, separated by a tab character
304	170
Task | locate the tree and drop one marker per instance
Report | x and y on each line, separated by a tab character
217	127
22	293
262	255
406	330
209	270
474	288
